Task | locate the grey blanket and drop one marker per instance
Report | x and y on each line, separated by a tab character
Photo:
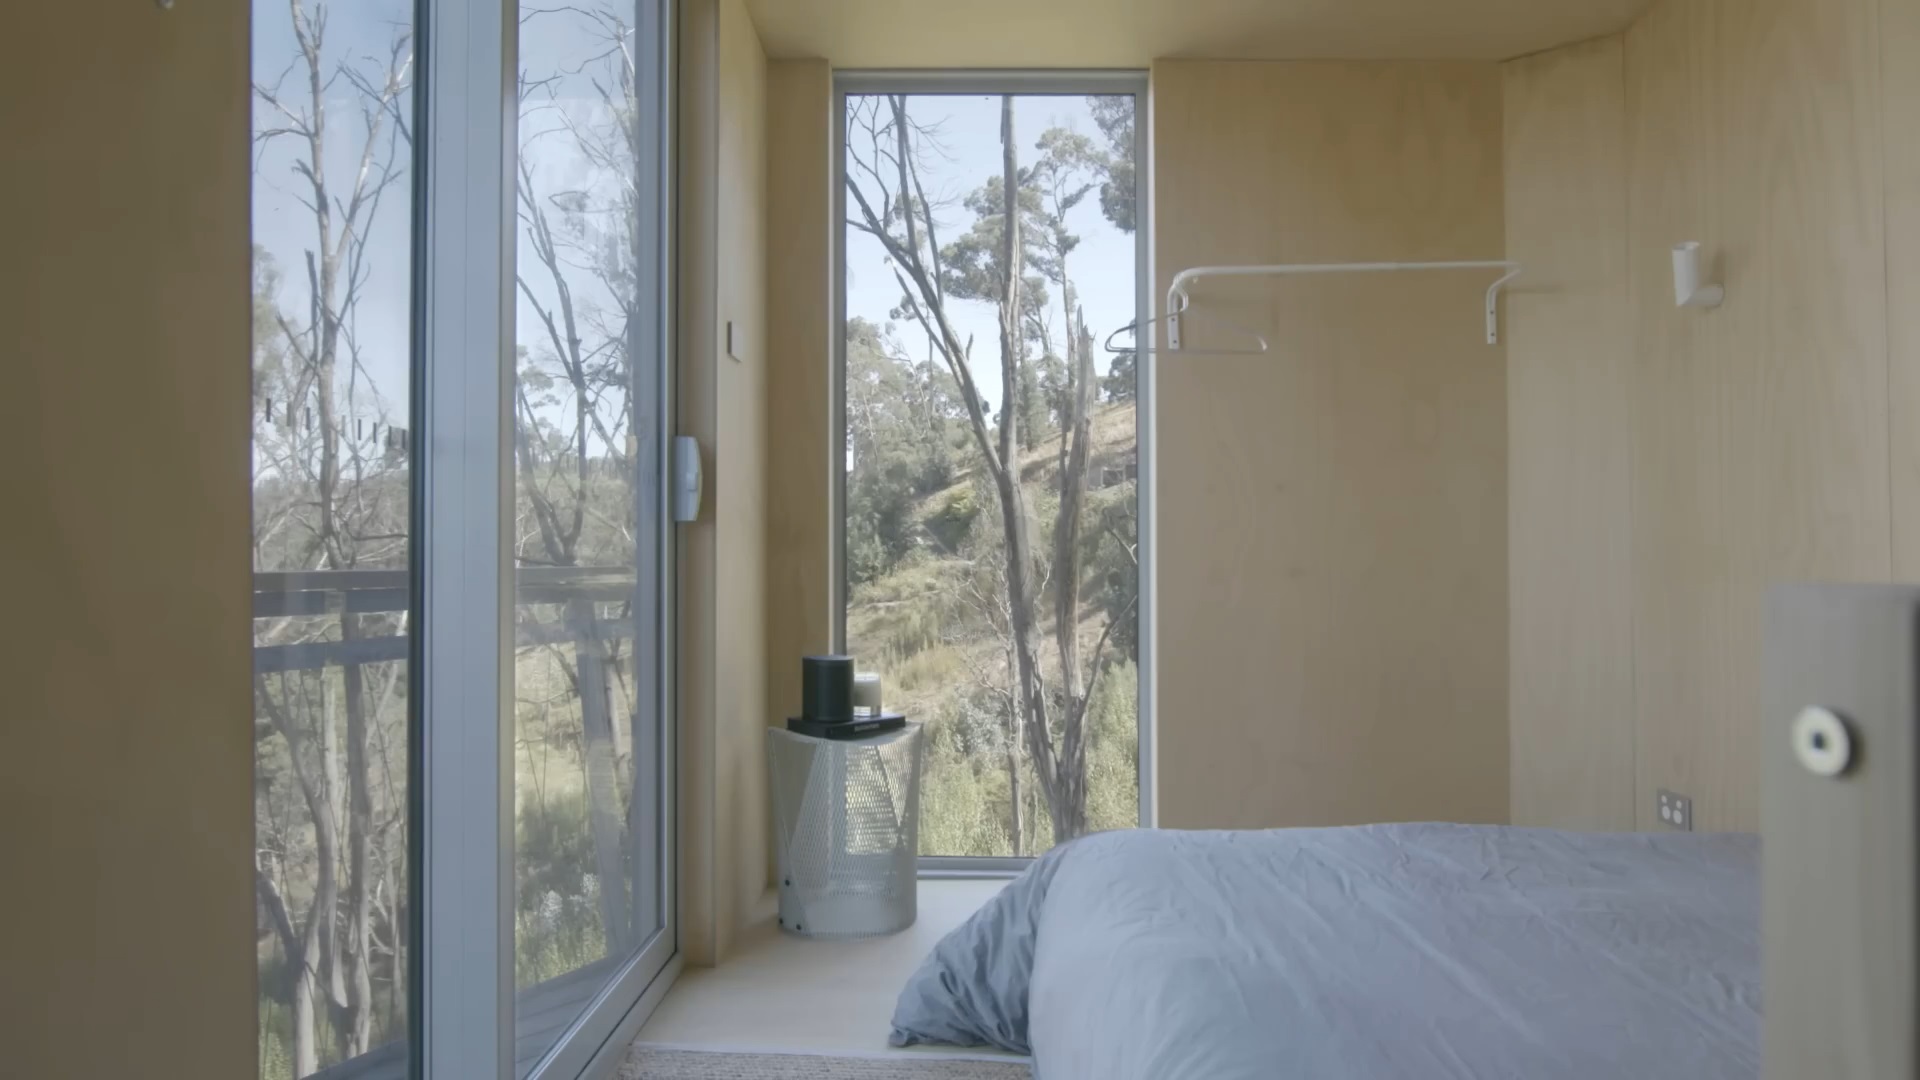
1418	951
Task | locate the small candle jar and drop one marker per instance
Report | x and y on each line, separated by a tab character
866	694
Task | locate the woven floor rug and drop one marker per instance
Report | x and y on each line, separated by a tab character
655	1063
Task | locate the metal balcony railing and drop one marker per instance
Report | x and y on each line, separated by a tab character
545	1011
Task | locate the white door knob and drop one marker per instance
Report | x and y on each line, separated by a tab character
1821	742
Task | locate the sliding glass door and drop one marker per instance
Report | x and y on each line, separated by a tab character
587	408
462	614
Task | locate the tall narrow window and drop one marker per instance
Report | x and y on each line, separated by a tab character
332	473
991	538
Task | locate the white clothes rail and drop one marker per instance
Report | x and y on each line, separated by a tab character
1178	299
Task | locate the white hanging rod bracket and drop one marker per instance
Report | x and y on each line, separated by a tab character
1178	298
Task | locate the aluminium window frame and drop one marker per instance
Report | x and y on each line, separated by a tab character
1036	83
463	266
462	993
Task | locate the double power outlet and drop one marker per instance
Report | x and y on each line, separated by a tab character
1676	810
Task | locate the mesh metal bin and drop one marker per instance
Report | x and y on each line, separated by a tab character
847	829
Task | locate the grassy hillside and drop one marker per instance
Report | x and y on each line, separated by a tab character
934	625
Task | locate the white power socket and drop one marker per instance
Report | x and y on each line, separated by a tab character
1676	810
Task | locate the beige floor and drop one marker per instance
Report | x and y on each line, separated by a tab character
781	993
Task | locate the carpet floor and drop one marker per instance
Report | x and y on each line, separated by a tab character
655	1063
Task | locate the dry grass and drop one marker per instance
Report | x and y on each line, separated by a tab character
925	628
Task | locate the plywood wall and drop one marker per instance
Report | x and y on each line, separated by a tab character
738	485
1332	517
722	402
126	778
1899	100
1762	436
799	358
1569	338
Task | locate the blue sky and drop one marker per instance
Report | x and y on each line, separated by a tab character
359	31
1102	267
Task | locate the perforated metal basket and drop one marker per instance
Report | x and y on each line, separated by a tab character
847	831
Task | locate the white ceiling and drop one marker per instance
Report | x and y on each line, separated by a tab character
1132	33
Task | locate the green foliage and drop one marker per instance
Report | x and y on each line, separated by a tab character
966	801
552	849
930	626
1113	750
276	1060
1120	383
1115	118
952	523
1113	576
973	262
900	421
961	799
899	621
929	604
1043	404
556	914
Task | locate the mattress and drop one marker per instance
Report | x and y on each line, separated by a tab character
1426	951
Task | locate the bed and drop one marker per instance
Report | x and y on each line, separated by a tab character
1420	951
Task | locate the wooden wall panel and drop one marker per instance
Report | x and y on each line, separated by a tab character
722	402
1900	98
126	806
1332	516
1763	451
1681	590
799	358
1569	342
1110	34
1767	437
698	827
1805	457
737	484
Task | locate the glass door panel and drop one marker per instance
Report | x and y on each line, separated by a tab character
587	534
332	481
439	419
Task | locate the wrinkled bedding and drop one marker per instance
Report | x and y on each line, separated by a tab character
1419	951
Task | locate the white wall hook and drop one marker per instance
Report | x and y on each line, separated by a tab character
1687	290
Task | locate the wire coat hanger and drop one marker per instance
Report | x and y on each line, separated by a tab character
1137	327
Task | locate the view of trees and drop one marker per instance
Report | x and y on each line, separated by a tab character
330	494
332	472
991	518
584	436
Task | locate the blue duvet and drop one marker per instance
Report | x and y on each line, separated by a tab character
1417	951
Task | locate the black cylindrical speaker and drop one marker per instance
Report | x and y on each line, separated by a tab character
826	689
